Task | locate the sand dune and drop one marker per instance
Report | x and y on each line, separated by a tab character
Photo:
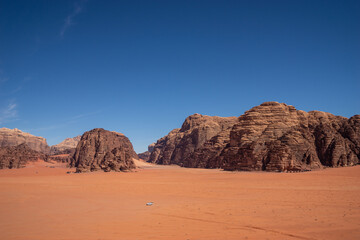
43	202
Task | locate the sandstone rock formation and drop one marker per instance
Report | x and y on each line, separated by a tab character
277	137
18	156
146	155
100	149
198	130
271	137
14	137
65	147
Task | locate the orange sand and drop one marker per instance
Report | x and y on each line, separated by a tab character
39	202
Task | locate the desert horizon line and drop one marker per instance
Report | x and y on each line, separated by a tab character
119	131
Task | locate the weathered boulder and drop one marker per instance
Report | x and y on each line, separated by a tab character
100	149
65	147
15	137
18	156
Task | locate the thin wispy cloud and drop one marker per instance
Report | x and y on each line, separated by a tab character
8	113
15	89
66	122
84	115
2	78
69	20
47	128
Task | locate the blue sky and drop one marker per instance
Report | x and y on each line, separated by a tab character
141	67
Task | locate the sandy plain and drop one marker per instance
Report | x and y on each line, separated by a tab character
41	201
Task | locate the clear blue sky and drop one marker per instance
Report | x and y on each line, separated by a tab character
141	67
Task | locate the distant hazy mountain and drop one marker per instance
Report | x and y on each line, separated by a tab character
14	137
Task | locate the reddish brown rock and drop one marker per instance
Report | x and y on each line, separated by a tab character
180	144
100	149
64	158
337	138
15	137
277	137
270	137
146	155
208	156
65	147
18	156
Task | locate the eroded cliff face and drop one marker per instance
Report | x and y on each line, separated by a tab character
100	149
15	137
197	130
65	147
270	137
277	137
337	138
18	156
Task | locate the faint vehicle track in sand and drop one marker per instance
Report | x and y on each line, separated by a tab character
244	227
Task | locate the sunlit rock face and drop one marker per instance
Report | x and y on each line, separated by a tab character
15	137
196	144
277	137
65	147
270	137
104	150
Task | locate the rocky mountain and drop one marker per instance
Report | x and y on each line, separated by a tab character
271	137
100	149
18	156
197	130
15	137
146	155
65	147
277	137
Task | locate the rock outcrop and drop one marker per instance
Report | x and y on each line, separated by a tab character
146	155
180	145
18	156
277	137
65	147
100	149
270	137
64	158
15	137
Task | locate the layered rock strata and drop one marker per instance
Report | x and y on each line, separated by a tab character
270	137
181	146
65	147
15	137
277	137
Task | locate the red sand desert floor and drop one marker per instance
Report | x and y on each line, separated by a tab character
39	202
